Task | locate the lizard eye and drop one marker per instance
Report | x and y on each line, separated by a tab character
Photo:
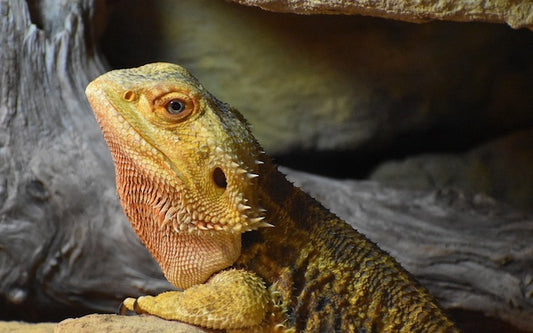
176	107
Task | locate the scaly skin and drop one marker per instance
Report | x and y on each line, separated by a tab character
252	252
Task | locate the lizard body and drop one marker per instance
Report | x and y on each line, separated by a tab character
253	252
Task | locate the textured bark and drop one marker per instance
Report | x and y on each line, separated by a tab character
479	170
517	14
66	249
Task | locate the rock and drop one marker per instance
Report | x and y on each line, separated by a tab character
22	327
500	169
339	84
517	14
124	324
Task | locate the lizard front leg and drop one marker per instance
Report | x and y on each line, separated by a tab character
230	299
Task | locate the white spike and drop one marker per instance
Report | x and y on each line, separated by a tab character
171	212
252	175
164	222
259	162
166	206
241	171
242	207
202	226
257	219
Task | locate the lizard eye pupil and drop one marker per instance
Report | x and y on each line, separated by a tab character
175	107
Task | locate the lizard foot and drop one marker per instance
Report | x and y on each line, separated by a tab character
230	299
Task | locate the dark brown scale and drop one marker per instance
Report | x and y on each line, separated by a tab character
333	279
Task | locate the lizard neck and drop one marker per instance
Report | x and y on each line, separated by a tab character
268	251
186	259
284	203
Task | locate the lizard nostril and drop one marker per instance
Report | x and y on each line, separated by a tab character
219	178
129	95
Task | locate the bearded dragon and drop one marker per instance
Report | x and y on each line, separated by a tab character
250	251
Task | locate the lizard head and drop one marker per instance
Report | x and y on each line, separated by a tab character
182	157
186	167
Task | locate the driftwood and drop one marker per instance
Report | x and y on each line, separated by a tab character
66	249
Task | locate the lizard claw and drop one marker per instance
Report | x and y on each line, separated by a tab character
128	307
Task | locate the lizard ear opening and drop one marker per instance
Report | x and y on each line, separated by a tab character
220	178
